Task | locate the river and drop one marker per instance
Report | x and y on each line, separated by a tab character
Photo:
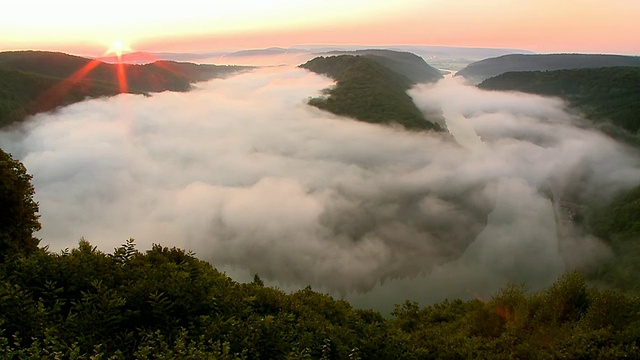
519	244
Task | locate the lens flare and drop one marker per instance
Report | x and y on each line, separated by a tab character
53	97
117	48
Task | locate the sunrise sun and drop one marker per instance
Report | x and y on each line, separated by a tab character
118	48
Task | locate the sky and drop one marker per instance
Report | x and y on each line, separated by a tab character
90	28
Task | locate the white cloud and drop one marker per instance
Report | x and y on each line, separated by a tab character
243	172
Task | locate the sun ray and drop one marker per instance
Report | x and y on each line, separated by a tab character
53	97
122	76
118	48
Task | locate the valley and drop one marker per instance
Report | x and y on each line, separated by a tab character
392	191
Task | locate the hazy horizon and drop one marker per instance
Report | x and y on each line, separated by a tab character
583	26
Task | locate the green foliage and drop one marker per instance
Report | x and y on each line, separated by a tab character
18	210
164	303
603	94
156	346
567	320
404	63
618	223
565	301
367	91
618	218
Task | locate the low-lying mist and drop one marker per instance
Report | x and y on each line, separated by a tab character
248	176
539	157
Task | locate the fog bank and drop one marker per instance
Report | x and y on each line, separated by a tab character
248	176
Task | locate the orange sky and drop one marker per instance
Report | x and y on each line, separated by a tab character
90	27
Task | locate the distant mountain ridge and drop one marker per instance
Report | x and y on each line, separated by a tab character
484	69
369	91
459	55
141	57
37	81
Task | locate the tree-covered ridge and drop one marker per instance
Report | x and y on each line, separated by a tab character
367	91
487	68
36	81
23	94
139	305
603	94
156	76
165	303
405	63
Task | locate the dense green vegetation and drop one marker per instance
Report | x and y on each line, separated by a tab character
484	69
608	93
166	304
404	63
618	223
18	210
36	81
367	91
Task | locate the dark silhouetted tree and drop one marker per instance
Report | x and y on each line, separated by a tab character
18	210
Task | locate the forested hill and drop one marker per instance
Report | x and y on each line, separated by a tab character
484	69
405	63
603	94
367	91
36	81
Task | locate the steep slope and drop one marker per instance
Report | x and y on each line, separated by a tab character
35	81
484	69
23	94
603	94
618	224
405	63
367	91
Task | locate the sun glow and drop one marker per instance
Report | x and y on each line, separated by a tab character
117	48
